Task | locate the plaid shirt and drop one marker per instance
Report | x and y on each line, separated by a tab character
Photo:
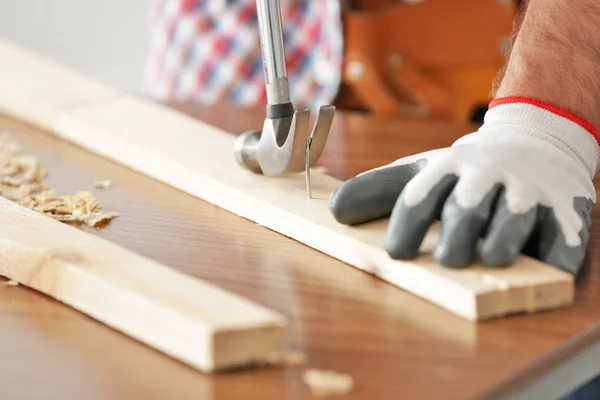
208	51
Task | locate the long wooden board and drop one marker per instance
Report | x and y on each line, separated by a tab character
197	158
188	319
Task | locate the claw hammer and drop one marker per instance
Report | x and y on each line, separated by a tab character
285	144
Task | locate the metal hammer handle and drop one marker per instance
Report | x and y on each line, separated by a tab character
271	39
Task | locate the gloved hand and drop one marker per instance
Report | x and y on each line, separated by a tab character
522	182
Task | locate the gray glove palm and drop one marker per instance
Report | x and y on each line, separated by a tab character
522	183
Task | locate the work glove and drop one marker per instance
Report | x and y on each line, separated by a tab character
522	183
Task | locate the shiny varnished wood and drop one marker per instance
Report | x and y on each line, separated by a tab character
393	344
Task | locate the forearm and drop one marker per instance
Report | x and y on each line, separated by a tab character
556	57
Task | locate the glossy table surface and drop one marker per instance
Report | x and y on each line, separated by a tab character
394	345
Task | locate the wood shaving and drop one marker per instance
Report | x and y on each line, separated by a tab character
105	184
21	181
327	382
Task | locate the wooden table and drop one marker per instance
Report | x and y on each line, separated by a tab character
395	345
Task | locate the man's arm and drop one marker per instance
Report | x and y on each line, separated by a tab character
556	56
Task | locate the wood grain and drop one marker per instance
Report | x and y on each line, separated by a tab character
185	318
394	344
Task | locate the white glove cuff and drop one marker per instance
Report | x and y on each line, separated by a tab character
564	130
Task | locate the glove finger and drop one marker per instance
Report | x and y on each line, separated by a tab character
371	195
548	242
462	227
409	223
507	234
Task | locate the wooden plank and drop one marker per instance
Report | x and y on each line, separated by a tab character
192	321
197	158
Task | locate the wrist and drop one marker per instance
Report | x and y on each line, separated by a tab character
555	57
548	113
567	91
521	120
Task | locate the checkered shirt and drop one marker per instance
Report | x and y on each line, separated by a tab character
208	51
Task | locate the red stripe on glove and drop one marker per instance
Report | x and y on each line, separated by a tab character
553	109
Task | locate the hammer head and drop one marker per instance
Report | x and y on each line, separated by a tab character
281	145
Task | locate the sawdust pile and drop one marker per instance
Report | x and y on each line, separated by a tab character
21	181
